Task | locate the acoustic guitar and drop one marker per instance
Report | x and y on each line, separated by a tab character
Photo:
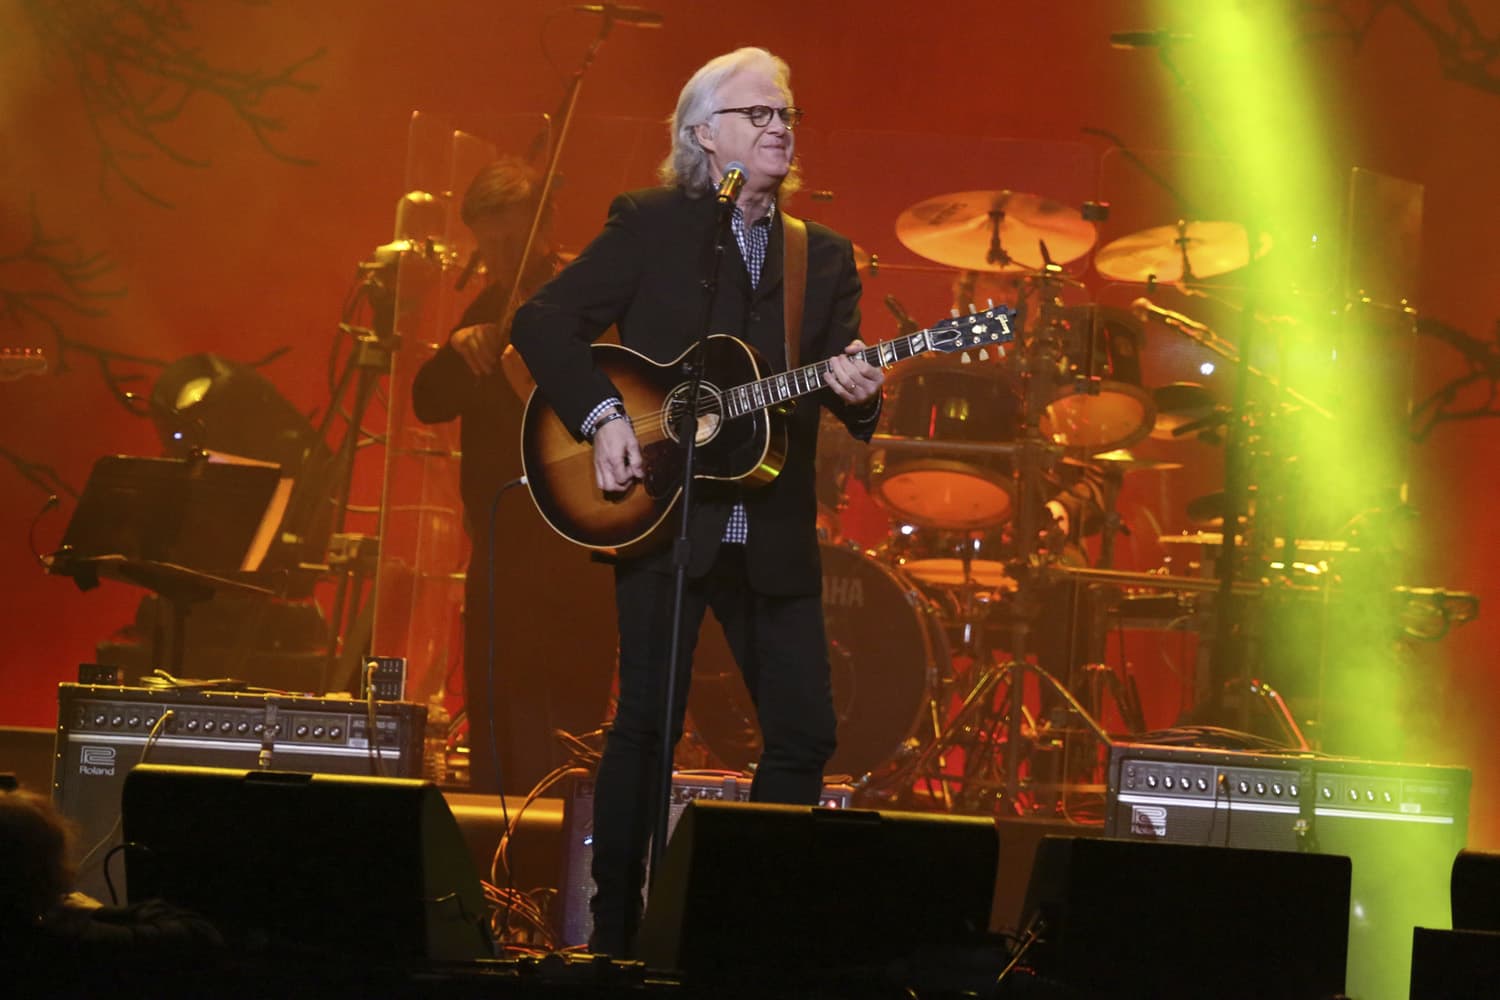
740	420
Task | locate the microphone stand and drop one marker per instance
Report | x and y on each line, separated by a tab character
1229	660
682	545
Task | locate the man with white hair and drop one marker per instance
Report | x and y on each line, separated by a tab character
753	556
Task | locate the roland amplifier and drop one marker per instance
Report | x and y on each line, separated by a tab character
102	733
576	922
1401	825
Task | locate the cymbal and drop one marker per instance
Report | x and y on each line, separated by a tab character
1121	459
994	230
1179	404
1157	254
1207	511
1217	538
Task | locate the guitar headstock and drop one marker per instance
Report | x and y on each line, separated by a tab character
18	361
982	332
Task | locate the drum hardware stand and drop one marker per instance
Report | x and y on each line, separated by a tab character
979	721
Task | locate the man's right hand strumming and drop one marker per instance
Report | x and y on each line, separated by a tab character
617	457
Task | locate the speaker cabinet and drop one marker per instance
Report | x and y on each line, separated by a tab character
1454	965
769	892
575	919
302	863
1475	891
1129	919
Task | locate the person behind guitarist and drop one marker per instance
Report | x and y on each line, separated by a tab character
754	552
548	674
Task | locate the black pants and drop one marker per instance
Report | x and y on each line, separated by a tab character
779	645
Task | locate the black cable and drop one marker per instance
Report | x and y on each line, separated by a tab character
1228	812
151	739
490	629
1213	809
372	724
48	506
109	883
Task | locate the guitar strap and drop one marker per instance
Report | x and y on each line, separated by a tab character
794	284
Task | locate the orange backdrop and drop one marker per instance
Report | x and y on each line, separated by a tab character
258	251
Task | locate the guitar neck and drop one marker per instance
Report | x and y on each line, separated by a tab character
779	388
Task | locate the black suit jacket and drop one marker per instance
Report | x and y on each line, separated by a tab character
643	274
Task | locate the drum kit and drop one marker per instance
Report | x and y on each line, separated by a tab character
990	480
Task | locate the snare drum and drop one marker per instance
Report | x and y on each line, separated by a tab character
934	402
885	648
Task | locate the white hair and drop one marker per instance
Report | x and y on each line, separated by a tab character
687	164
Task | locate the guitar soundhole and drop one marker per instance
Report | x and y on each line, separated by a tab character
710	412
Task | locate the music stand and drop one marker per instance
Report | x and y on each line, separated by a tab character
176	527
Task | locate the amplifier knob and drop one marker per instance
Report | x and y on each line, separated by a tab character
133	722
302	730
209	725
151	720
1276	788
100	719
1353	795
1387	797
1151	780
1327	792
242	728
1260	788
1244	787
117	721
1292	789
1202	784
318	731
260	727
1167	782
335	732
192	725
1370	794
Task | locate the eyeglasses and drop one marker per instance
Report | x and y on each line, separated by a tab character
760	115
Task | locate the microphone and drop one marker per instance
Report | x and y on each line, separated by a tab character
622	14
468	272
1145	309
1159	39
731	182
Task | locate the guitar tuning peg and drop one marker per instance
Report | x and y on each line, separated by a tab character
955	313
972	310
983	354
989	303
964	358
1000	352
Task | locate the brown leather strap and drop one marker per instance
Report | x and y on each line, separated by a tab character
794	284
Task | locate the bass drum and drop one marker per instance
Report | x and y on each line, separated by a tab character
885	648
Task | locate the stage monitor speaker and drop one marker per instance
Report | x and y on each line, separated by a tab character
575	920
759	892
1158	921
307	864
1474	891
1454	965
